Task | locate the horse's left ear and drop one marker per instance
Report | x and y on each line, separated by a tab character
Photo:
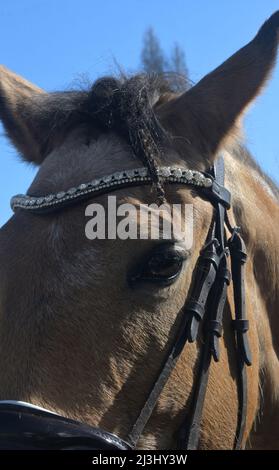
210	111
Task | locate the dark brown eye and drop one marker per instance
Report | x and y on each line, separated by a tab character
165	266
162	266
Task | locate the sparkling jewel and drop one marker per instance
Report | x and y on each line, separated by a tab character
107	179
39	201
130	173
60	195
142	171
188	175
166	172
72	191
207	182
48	198
177	172
198	177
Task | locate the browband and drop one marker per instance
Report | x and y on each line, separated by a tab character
136	177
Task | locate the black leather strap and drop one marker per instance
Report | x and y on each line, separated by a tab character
189	432
206	305
206	270
214	305
193	313
240	325
157	388
220	296
217	193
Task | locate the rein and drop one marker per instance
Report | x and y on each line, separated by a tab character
25	426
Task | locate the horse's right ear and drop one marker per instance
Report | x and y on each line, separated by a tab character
209	113
20	106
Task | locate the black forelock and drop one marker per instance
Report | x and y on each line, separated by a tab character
125	105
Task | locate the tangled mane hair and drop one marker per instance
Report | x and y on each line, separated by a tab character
125	105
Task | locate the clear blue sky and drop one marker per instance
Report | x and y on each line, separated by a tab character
53	42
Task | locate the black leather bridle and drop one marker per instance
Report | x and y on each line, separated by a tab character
206	304
23	426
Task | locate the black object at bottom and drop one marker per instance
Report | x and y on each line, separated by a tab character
23	427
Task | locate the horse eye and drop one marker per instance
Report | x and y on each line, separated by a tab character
162	266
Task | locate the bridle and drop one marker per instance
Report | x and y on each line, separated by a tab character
25	426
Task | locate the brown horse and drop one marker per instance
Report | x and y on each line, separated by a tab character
76	338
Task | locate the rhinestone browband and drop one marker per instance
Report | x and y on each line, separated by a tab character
114	181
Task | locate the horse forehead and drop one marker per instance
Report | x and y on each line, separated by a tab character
77	161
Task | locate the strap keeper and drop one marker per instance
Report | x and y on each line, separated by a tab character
241	255
240	325
196	309
218	193
224	273
215	327
237	247
211	257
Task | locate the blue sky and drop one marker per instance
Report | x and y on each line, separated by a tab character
54	43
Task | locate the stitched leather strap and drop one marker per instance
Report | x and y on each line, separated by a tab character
207	267
220	295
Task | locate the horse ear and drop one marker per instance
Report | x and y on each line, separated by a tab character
20	109
210	111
